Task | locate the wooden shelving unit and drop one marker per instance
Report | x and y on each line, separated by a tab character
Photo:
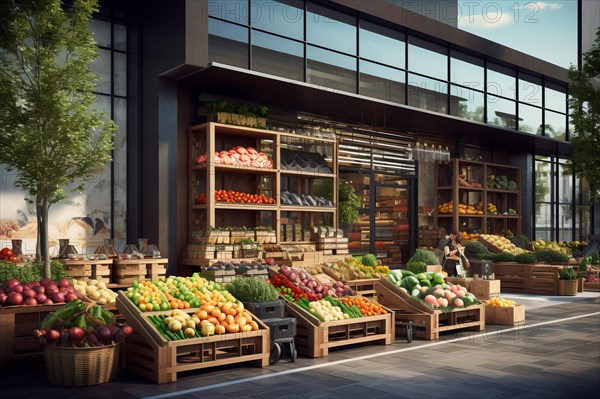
448	188
208	138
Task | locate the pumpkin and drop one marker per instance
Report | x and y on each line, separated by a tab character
208	329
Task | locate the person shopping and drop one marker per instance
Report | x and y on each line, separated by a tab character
453	252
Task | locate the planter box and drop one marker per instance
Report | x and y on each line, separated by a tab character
567	287
485	289
508	316
239	120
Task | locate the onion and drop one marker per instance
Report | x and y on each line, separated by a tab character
51	289
40	289
11	283
57	297
18	288
14	298
46	282
48	301
30	301
52	335
103	333
293	276
127	330
64	283
70	297
41	298
3	298
77	333
34	284
28	293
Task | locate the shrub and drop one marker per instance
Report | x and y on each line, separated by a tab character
551	256
525	257
486	256
474	249
504	257
416	267
424	255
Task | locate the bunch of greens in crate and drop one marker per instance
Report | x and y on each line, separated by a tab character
252	289
31	272
81	324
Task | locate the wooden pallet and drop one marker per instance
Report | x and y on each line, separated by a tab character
540	279
314	338
78	269
150	355
429	323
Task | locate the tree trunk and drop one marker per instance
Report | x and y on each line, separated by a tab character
38	241
42	219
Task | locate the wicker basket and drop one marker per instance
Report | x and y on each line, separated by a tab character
81	366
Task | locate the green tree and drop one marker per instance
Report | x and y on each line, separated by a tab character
348	201
49	133
585	114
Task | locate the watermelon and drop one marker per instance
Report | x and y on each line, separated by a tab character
425	283
392	277
409	282
421	276
406	273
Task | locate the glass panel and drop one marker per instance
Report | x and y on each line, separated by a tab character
382	82
358	233
382	44
466	103
583	223
565	222
120	74
466	70
392	230
530	119
501	81
101	66
530	90
555	125
285	18
277	56
120	37
543	181
101	30
572	131
427	93
565	184
227	43
555	99
543	221
120	171
330	70
231	10
331	29
427	58
501	112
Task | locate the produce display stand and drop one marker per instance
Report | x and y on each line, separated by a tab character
538	279
125	271
150	355
509	316
17	342
314	338
428	322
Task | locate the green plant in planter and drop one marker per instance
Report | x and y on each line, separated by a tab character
416	267
551	256
525	257
567	273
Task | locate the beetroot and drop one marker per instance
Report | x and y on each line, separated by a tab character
64	283
14	298
57	297
77	333
103	333
41	298
70	297
30	301
18	288
11	283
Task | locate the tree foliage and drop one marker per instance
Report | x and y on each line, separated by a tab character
585	112
49	133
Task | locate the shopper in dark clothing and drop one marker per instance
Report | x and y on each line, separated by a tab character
453	252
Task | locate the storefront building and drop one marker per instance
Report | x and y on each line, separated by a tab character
404	95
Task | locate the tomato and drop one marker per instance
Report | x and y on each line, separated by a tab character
6	252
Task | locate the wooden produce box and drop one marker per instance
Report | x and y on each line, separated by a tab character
314	338
485	289
218	276
509	316
155	267
489	245
463	281
591	286
78	269
125	271
364	287
102	270
428	322
540	279
150	355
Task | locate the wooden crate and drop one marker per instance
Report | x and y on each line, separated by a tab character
218	276
489	245
428	322
485	289
102	270
78	269
315	338
125	271
591	286
364	287
150	355
509	316
155	267
540	279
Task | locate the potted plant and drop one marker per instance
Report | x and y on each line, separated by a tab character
222	111
567	281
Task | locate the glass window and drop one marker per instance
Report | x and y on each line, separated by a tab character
231	10
466	103
501	112
427	93
330	70
227	43
555	125
381	44
572	131
565	184
277	56
101	30
427	58
285	18
565	222
331	29
530	119
120	74
543	181
530	90
101	66
543	221
555	98
120	37
466	70
382	82
501	81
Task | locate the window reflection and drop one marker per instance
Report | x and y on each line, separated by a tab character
501	112
331	29
382	82
277	56
543	222
530	90
565	221
383	45
555	125
501	81
427	58
101	66
466	103
427	93
543	181
466	70
555	99
101	30
530	119
227	43
565	184
231	10
330	70
285	18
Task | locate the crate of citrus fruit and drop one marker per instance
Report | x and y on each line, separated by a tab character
504	311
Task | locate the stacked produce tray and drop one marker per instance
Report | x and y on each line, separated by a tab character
428	322
150	355
314	338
